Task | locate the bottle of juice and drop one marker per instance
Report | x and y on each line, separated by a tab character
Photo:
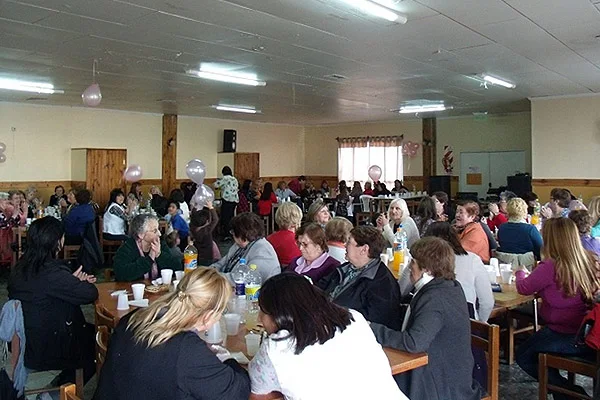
190	258
400	241
253	283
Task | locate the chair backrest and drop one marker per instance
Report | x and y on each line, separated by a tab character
67	392
102	338
103	317
101	230
366	202
487	338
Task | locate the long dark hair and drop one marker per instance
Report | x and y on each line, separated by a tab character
113	196
426	210
267	191
445	231
302	309
43	244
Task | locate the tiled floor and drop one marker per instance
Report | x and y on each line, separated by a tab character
514	383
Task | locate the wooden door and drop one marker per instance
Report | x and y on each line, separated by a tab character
246	166
105	169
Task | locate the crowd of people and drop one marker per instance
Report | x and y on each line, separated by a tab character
326	295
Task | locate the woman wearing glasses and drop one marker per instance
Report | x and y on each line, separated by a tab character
315	261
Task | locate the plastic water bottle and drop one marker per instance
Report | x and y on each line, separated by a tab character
400	245
238	275
190	258
253	282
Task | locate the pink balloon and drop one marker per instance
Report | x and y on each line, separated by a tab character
92	95
374	172
406	148
203	195
415	146
133	173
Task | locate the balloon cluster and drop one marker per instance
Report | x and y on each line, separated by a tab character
410	148
2	155
196	171
375	172
133	173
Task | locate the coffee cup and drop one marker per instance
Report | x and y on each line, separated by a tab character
166	275
232	322
138	291
252	344
178	275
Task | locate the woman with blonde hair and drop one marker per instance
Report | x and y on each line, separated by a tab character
318	212
567	281
594	210
517	236
157	352
398	216
337	232
288	217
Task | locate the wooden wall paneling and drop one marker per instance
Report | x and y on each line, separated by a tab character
429	149
246	166
105	169
169	152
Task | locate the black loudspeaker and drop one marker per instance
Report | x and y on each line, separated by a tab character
229	139
519	184
439	184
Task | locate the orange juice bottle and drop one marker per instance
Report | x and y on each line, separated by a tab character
400	242
190	258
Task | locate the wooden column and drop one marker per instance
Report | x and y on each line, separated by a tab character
429	150
169	152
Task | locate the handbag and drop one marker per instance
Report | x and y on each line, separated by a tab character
589	331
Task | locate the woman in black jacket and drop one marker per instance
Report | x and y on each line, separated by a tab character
364	283
436	322
156	353
57	334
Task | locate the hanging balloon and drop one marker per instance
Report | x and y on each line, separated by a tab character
203	195
2	147
374	172
92	96
133	173
196	171
2	158
406	148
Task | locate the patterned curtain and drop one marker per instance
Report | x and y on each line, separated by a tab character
352	142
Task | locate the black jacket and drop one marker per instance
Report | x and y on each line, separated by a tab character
182	368
54	324
439	325
375	294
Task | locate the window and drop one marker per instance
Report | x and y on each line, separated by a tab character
356	155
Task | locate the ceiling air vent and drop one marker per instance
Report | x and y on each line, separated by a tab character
36	99
336	77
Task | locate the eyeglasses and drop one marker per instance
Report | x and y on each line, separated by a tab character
304	244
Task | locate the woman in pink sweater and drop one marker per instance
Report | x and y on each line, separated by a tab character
567	281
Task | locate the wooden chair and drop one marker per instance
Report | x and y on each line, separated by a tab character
362	217
102	338
487	338
70	251
103	318
531	324
267	224
573	366
69	392
111	245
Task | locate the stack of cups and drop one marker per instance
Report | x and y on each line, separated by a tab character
494	265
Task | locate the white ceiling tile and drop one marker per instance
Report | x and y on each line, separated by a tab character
473	12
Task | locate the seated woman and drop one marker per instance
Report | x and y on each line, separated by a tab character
178	223
337	233
399	187
202	225
318	212
368	189
9	219
33	201
114	222
517	236
426	214
19	207
81	214
343	204
165	339
472	236
288	217
496	218
398	215
143	255
594	209
267	199
283	192
566	280
381	190
306	329
469	270
159	203
59	193
249	243
178	197
67	205
135	192
583	220
58	337
437	323
247	198
315	262
324	190
364	283
442	206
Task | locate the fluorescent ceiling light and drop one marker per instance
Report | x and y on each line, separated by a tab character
423	108
239	78
370	7
241	109
25	86
498	81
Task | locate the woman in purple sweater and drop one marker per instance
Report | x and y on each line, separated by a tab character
315	261
566	280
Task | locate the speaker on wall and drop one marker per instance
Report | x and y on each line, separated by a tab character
439	183
519	184
229	139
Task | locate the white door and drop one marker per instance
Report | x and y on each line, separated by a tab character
474	173
505	163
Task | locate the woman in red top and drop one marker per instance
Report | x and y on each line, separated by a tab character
267	199
368	189
288	218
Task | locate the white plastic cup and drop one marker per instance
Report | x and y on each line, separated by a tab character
390	253
384	258
175	283
178	275
252	344
122	302
494	263
232	322
213	334
138	291
492	275
166	275
506	276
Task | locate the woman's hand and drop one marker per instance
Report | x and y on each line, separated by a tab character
62	203
82	276
521	268
155	248
209	205
546	212
382	221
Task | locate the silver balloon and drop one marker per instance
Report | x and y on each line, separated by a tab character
2	158
92	95
196	171
203	195
2	147
133	173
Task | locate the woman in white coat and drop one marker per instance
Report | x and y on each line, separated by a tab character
397	215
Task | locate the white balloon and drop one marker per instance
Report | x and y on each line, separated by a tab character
2	147
2	158
92	95
203	195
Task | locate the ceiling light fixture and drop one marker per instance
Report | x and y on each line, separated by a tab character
239	78
371	7
26	86
241	109
500	82
423	108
